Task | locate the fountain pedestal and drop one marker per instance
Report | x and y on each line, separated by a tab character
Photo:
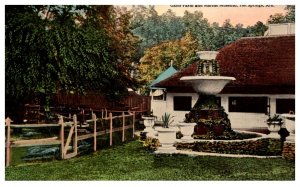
211	119
209	115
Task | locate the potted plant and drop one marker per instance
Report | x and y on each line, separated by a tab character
149	123
289	122
167	135
274	125
167	120
186	129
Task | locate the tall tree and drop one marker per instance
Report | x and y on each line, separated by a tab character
290	14
228	34
153	28
53	48
199	28
257	30
276	18
288	17
157	58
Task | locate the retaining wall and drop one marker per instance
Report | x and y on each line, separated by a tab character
288	150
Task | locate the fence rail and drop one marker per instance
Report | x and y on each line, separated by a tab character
92	100
72	134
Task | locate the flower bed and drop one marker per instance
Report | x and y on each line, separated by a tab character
229	135
260	146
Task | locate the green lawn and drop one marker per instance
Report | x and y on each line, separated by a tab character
133	162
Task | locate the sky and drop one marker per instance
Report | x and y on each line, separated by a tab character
236	13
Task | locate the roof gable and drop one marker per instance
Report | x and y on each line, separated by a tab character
164	75
174	80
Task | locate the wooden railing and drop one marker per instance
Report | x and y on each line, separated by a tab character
36	113
97	101
72	134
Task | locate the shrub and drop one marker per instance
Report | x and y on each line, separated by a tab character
263	147
151	143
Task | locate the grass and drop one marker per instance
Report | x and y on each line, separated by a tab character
133	162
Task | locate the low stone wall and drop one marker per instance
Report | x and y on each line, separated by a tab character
261	146
288	150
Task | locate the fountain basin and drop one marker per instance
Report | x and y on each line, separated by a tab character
209	85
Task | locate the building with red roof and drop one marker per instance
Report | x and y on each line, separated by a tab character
264	68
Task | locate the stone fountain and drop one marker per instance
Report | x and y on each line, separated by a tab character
210	117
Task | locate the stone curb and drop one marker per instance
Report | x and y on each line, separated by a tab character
194	153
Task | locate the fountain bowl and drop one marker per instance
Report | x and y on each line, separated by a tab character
210	85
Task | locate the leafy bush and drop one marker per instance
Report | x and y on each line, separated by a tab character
227	135
264	147
151	143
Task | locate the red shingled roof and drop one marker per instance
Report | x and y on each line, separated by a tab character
259	64
173	83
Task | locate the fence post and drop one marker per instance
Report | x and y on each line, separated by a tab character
62	136
75	138
91	110
8	156
102	113
123	127
110	129
94	117
105	113
133	122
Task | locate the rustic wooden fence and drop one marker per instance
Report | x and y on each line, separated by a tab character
36	113
96	101
72	133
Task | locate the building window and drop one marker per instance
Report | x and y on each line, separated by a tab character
182	103
159	95
248	104
285	105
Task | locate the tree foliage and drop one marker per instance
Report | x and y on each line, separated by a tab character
290	14
288	17
227	34
124	44
157	58
54	48
152	28
160	35
257	30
